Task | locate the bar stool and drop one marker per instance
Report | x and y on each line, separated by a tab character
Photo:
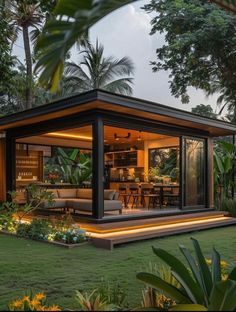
124	194
134	194
148	193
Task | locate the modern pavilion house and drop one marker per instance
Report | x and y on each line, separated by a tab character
112	159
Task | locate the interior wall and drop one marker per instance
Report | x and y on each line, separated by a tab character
168	142
2	170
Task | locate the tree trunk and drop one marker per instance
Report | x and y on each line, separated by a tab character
29	72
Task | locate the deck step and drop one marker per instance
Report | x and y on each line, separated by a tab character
146	223
109	240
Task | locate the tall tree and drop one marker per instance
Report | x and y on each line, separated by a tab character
200	47
95	71
59	34
27	17
26	14
6	60
204	110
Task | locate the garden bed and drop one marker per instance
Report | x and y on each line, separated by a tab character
59	244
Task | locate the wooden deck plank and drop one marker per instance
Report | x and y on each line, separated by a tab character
109	242
121	225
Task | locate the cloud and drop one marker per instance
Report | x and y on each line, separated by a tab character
125	32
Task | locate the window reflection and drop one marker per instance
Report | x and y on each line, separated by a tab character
194	176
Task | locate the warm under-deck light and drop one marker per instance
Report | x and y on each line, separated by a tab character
71	136
154	228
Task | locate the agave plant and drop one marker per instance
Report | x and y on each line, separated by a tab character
201	288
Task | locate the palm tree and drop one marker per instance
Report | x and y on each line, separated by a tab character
71	25
26	15
95	71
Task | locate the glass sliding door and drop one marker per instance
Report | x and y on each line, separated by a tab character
194	173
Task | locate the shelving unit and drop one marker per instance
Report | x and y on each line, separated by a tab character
29	169
125	159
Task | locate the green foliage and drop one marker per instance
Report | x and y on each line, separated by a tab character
198	284
224	162
12	212
6	60
95	71
70	236
22	230
204	110
92	302
229	205
74	166
114	294
37	229
7	214
199	40
60	34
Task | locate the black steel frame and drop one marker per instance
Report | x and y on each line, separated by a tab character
98	119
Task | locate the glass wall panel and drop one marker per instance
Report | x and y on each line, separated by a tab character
194	172
61	162
143	169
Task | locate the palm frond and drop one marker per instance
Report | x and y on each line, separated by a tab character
95	71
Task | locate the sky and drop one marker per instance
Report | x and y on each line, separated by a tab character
125	32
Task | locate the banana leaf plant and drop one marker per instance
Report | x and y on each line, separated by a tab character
224	163
200	287
73	166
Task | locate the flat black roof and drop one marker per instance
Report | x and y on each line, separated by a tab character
116	99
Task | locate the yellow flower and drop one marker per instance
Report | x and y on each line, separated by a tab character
224	264
35	302
53	308
26	298
208	261
39	296
16	304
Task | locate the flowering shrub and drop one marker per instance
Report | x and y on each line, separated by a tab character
71	236
53	176
64	231
35	302
37	229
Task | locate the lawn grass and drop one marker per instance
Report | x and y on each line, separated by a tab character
26	265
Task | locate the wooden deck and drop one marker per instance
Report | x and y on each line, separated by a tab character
112	234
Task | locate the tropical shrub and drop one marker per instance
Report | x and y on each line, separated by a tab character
114	294
32	302
22	230
154	298
8	210
37	229
200	287
11	212
229	205
224	162
40	229
72	166
92	302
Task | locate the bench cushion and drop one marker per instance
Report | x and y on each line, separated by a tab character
67	193
84	193
86	204
109	194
